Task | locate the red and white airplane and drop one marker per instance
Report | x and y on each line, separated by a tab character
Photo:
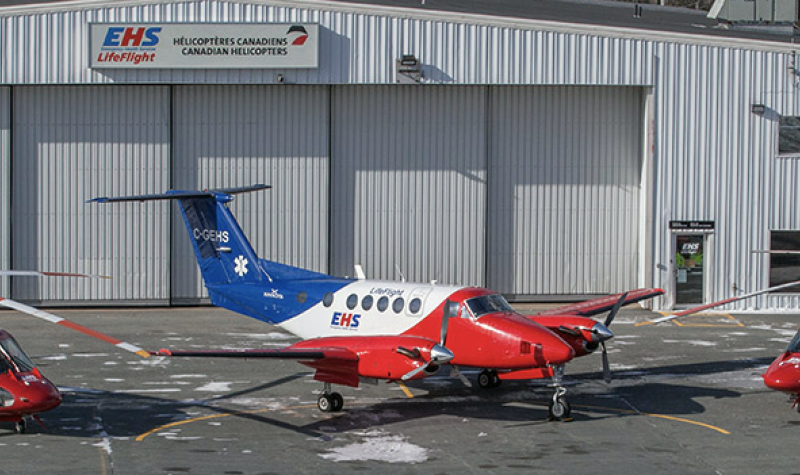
357	328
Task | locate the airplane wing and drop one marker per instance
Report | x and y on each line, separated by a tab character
719	303
333	365
602	304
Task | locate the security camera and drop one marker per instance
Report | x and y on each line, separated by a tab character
279	79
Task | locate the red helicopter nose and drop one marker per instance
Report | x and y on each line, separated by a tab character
38	395
784	373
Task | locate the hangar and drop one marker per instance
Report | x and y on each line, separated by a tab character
545	159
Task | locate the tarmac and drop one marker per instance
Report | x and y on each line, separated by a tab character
685	398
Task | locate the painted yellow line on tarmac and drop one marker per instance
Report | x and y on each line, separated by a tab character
735	323
405	389
660	416
141	437
685	323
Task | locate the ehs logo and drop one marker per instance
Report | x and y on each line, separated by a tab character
345	320
120	36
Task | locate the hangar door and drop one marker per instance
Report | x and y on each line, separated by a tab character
408	182
72	143
228	136
564	189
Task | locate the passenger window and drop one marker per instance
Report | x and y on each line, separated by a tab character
352	301
383	303
301	297
327	299
415	305
398	304
366	302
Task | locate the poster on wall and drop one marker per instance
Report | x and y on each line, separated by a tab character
203	45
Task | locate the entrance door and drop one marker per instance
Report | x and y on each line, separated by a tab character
689	269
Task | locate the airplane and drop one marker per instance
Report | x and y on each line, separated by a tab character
24	391
783	374
360	329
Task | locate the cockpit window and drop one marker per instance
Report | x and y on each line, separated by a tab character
480	306
11	349
794	346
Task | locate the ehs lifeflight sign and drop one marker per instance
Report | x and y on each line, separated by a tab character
204	45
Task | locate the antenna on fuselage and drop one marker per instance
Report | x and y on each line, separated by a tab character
360	275
402	277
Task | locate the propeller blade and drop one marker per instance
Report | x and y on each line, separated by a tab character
606	366
414	372
455	371
613	313
450	310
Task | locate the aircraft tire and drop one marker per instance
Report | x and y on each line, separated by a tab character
325	403
488	379
559	409
21	426
338	402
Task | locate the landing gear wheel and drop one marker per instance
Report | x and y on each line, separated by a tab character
488	379
21	426
338	402
325	403
559	409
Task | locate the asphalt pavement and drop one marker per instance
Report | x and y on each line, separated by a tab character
686	398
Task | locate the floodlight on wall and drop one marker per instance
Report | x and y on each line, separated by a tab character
408	69
758	109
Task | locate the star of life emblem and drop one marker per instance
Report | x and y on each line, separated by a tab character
241	266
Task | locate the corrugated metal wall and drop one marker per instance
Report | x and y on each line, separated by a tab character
408	182
72	144
358	44
242	135
564	186
5	186
712	158
716	160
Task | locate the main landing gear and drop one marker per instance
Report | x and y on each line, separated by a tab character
21	426
489	379
330	401
559	409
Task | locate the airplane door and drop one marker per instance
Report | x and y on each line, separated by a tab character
689	269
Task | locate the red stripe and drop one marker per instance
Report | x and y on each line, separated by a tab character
89	331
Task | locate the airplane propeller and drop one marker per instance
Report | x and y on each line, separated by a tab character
603	334
439	353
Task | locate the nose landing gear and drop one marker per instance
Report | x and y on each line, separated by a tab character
559	409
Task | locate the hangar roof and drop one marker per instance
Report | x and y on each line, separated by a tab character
606	14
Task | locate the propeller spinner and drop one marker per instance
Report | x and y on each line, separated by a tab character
439	353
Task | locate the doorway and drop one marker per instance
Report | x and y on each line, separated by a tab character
689	268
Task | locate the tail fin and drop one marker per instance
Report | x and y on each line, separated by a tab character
223	252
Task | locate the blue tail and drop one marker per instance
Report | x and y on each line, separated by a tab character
234	275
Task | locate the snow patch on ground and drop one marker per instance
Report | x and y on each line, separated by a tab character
378	446
216	387
693	342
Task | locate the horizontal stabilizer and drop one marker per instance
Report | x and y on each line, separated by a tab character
179	194
35	273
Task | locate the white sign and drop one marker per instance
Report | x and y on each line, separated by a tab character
204	45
